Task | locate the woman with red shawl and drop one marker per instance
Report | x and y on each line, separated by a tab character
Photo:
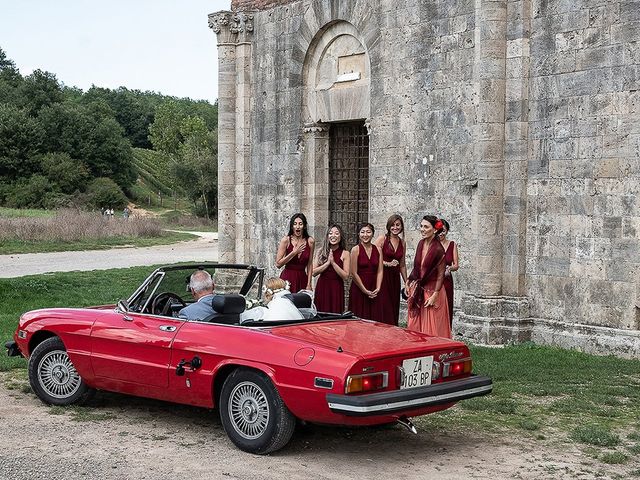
428	308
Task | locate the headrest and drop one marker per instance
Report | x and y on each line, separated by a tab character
300	300
228	303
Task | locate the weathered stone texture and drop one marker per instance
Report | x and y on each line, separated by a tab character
517	120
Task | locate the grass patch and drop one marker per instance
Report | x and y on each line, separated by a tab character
17	247
614	458
25	213
81	414
595	435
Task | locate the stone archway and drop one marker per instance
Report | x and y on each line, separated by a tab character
336	89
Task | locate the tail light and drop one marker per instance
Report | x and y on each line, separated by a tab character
366	382
455	368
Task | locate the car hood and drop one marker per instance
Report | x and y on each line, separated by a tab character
363	337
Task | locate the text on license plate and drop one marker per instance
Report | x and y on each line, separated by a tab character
417	372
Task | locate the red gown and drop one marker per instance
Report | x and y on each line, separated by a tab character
448	280
361	305
389	296
427	277
329	296
295	271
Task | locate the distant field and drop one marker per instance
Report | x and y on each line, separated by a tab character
67	230
25	212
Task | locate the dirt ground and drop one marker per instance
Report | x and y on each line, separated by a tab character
120	437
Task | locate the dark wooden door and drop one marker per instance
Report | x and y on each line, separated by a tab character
348	177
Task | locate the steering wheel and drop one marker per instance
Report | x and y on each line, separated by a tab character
162	303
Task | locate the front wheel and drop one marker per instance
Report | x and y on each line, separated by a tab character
253	414
53	377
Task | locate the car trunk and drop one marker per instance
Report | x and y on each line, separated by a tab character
364	338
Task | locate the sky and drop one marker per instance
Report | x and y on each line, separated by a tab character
160	45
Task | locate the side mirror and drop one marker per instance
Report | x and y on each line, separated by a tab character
122	306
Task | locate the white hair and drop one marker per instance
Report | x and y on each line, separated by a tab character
201	281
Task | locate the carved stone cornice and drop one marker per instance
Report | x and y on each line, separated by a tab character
232	28
315	128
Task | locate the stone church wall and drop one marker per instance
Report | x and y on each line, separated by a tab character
518	121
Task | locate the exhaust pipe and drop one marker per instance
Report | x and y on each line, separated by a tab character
405	422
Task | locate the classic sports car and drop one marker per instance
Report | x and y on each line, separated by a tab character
262	376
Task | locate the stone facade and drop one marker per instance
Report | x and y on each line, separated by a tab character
517	120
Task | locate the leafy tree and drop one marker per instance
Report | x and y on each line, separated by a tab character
30	192
69	175
20	138
197	170
164	132
87	133
105	193
39	90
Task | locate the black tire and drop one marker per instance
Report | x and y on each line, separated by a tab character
253	414
53	377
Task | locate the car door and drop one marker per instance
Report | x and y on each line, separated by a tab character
133	347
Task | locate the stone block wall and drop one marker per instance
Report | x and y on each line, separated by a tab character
583	208
516	120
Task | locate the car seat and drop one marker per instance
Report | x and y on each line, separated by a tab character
228	308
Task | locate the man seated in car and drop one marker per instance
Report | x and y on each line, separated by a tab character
201	287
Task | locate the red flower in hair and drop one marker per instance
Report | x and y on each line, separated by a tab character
439	225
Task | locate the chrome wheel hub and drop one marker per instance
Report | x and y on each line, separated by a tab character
248	410
57	375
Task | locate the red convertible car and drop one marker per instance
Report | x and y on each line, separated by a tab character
262	376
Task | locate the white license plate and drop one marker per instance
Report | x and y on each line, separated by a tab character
417	372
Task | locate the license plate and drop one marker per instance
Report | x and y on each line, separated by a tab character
417	372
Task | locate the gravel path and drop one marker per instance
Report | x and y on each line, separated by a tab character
118	437
205	248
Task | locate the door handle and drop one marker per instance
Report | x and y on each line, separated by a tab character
167	328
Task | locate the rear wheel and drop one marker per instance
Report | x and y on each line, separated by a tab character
253	414
53	377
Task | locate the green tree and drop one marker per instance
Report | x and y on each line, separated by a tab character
38	90
105	193
20	139
164	132
197	170
69	175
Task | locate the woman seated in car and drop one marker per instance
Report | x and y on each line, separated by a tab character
278	305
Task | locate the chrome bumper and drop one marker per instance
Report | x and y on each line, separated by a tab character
409	399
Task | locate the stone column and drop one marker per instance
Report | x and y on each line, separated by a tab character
516	147
234	50
315	177
489	73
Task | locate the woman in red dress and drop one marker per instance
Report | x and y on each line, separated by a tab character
428	309
393	249
451	265
332	266
366	273
295	254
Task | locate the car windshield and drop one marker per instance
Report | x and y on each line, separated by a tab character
242	279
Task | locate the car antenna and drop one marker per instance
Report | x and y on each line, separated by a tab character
339	350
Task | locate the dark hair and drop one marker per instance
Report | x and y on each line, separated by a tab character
365	224
305	232
326	247
445	223
392	219
433	220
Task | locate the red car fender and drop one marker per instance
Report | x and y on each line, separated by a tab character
225	367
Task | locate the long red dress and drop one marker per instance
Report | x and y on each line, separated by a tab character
361	305
389	296
426	277
329	296
295	271
448	280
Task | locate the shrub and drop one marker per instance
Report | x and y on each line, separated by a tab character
105	193
595	435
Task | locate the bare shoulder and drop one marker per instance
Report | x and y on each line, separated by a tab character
379	241
312	241
355	249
